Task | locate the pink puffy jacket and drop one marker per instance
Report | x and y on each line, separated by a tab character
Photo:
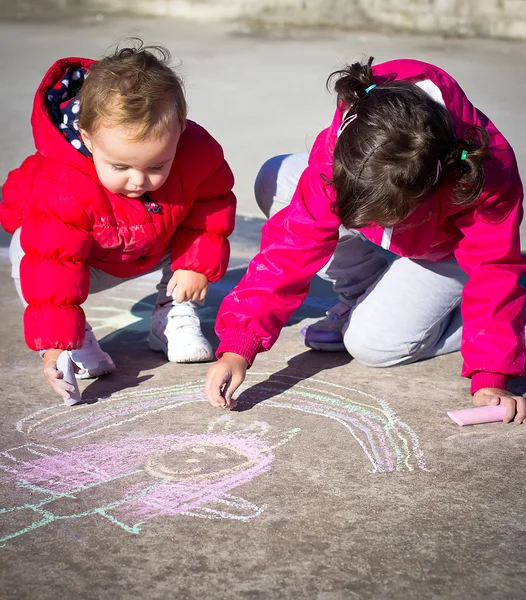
484	238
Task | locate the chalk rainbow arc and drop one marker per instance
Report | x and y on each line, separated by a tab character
389	443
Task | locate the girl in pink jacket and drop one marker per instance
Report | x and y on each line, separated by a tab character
408	164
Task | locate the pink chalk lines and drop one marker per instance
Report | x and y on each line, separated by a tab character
95	457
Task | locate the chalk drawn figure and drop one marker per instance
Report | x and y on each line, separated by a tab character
135	479
78	473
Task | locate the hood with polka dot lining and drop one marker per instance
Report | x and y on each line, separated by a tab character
55	109
64	106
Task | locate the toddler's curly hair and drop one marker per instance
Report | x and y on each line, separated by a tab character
134	89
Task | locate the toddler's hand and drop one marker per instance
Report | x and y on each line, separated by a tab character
515	405
223	379
54	377
188	285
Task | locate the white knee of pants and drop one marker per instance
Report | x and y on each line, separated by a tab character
365	346
265	184
277	180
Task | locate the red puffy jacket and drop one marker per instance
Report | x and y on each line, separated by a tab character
70	222
299	240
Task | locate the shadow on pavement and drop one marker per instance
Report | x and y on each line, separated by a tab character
299	368
129	346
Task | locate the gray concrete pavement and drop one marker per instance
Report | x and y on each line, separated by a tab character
332	481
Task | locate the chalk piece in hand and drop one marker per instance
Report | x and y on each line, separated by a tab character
65	364
478	414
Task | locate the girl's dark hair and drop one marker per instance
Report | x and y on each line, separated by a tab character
386	160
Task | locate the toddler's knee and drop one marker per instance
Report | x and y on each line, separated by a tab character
371	350
16	254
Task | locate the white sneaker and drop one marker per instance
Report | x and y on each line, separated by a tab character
175	330
92	358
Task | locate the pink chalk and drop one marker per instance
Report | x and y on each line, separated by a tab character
478	414
65	364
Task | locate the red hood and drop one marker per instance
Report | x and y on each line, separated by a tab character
49	141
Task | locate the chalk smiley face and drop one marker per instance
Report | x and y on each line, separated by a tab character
198	462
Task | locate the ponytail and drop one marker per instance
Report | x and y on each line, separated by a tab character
467	160
353	82
393	147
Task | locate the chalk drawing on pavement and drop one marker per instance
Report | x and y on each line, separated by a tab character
93	462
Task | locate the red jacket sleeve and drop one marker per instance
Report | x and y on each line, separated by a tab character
297	242
493	301
200	242
53	274
15	195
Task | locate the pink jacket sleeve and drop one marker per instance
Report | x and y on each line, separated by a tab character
493	301
297	242
200	242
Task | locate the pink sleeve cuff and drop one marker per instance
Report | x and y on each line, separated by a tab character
240	341
481	379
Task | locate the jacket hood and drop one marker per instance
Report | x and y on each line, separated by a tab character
463	113
500	172
52	94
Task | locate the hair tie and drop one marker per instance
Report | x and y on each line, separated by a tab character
371	87
464	155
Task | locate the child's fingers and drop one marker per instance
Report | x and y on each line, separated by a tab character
486	400
180	294
61	391
520	417
515	405
55	378
235	382
52	374
216	380
511	408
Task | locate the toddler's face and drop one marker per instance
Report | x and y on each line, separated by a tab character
129	167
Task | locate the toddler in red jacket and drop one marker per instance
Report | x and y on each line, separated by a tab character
411	166
121	184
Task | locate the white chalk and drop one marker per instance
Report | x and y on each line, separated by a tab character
65	364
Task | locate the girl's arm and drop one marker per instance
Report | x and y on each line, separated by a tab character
297	242
493	301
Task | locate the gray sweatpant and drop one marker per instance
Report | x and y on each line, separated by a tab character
403	310
99	280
